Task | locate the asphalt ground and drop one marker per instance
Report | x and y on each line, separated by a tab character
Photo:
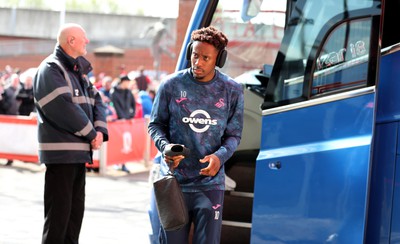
116	209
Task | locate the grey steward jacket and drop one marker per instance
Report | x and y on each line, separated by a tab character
69	109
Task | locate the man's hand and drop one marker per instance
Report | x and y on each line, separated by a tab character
174	160
213	166
98	141
174	154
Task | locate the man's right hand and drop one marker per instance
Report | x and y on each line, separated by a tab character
174	154
98	141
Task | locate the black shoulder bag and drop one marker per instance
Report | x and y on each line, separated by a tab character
170	203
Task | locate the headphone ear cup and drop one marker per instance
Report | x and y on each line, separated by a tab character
189	50
221	58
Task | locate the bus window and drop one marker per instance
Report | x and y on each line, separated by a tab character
253	42
308	24
342	62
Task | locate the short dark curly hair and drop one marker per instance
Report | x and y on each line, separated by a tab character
210	35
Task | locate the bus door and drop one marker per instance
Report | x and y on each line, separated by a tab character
312	172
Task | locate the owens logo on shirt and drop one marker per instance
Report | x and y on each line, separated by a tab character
201	124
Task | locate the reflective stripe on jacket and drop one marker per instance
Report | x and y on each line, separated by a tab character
69	109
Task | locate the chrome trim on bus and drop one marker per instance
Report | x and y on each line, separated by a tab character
390	49
236	224
295	80
241	194
313	102
342	66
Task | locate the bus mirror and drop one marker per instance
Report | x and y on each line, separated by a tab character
250	9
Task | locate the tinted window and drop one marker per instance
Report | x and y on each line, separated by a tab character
342	62
309	19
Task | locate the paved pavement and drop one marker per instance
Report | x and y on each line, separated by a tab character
116	205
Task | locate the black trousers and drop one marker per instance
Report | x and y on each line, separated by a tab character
64	203
205	211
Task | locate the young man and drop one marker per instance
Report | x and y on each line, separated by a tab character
201	108
71	123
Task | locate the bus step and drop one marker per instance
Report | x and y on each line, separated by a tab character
235	232
243	173
238	206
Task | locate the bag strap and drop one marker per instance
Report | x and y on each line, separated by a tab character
171	169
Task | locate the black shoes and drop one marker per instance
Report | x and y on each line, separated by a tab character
125	169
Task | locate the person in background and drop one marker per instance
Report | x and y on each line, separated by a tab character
12	90
215	101
25	96
142	80
11	104
123	99
147	103
97	81
105	91
106	88
8	71
135	92
124	103
3	99
111	114
6	99
71	124
152	94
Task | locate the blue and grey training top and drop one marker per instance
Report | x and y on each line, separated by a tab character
206	117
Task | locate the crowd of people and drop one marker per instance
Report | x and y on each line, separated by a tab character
125	96
16	93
